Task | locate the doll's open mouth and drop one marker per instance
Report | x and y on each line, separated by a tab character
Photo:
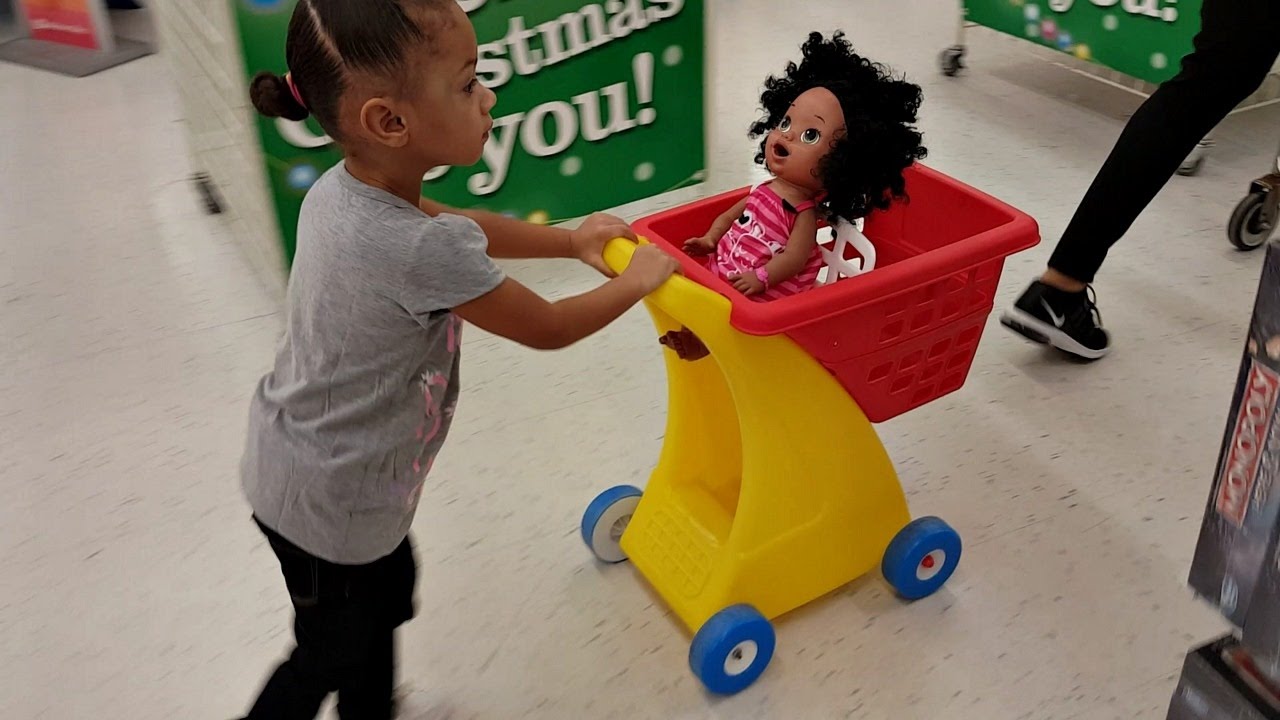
781	150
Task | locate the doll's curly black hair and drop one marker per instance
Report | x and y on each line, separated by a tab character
863	170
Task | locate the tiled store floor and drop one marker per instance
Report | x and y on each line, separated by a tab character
132	584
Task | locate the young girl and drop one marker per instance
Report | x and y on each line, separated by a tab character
344	430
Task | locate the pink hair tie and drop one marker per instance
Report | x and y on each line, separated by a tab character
293	90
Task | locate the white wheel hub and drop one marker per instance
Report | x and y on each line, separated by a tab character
606	536
741	658
930	565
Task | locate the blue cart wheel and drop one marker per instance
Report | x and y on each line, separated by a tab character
732	649
606	519
921	558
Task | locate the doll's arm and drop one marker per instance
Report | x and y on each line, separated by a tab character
722	223
787	264
706	244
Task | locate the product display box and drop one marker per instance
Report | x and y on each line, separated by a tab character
1236	565
1220	682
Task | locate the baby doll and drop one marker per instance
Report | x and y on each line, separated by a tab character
838	133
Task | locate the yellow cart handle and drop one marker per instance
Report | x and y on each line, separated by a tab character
688	302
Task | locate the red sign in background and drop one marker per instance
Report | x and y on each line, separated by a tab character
68	22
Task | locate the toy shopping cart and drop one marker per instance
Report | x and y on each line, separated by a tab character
772	488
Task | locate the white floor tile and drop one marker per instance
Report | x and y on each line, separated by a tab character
132	583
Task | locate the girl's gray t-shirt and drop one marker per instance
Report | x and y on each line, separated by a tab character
344	430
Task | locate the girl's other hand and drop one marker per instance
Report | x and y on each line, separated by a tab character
588	241
700	246
650	267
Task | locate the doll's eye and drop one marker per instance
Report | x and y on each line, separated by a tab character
810	136
785	125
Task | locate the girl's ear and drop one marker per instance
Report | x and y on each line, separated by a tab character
379	119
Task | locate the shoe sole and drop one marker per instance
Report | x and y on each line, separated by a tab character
1041	332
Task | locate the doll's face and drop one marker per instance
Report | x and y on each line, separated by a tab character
805	136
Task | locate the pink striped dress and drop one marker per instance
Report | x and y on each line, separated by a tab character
755	238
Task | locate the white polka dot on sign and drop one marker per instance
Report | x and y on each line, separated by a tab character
645	172
1031	13
571	166
1110	22
1033	30
672	56
1159	61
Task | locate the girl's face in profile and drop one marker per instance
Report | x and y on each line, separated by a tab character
447	109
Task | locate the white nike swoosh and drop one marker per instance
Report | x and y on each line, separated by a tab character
1058	320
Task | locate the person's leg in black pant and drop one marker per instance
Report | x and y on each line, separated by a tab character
368	691
345	617
386	590
300	684
1236	47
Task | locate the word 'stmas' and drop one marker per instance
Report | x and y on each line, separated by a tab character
524	51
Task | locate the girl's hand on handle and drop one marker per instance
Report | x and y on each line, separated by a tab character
588	241
649	268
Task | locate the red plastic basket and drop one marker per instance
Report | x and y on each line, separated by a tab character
905	333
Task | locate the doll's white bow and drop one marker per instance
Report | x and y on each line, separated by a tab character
838	266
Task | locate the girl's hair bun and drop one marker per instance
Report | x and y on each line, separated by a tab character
271	96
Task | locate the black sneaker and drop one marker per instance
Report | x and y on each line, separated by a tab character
1067	321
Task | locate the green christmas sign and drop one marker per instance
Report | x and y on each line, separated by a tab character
599	104
1142	38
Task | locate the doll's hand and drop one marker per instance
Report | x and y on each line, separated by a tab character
747	284
588	241
700	246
